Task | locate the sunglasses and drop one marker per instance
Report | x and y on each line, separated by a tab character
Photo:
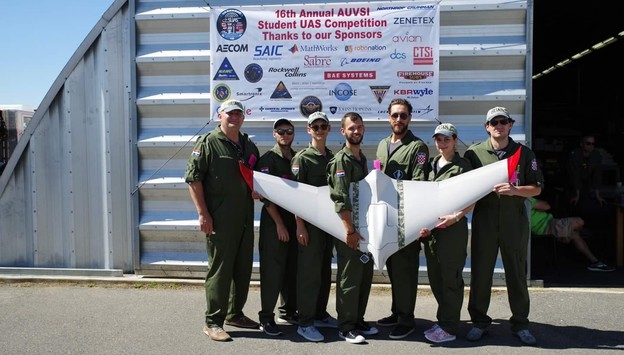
402	116
589	143
288	131
323	127
495	123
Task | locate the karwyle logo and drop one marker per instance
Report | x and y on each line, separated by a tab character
347	61
233	48
414	92
406	38
289	72
316	61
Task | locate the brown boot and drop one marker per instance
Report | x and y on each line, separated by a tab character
217	333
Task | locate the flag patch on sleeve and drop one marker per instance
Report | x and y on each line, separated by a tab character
295	169
196	152
340	173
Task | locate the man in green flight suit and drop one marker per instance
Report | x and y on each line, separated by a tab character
277	242
403	156
225	207
315	245
500	221
355	268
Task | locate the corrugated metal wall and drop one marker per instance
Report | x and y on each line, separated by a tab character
136	215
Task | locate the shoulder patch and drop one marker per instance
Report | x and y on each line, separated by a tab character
422	158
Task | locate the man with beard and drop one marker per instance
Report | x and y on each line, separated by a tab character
403	156
355	268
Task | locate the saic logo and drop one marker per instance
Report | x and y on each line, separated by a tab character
268	51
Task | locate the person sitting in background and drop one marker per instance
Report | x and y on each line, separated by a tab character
566	230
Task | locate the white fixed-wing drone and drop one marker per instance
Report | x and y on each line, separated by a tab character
391	212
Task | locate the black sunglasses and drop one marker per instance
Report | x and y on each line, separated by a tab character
288	131
401	115
589	143
317	127
495	123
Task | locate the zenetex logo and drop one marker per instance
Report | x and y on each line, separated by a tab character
289	72
231	24
343	92
317	61
364	48
347	61
415	21
414	75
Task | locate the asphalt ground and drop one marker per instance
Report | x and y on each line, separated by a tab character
134	315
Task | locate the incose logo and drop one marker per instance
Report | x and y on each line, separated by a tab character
343	92
268	51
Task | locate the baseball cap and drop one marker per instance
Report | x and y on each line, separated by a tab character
281	121
318	115
231	105
495	112
446	129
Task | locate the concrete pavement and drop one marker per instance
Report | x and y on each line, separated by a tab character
134	315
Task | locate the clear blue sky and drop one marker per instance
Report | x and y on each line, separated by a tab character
37	38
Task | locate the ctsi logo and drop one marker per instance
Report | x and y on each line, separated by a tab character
398	55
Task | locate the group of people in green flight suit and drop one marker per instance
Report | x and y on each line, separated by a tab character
295	255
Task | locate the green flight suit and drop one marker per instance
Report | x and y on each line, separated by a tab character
314	261
278	260
215	162
501	222
354	277
446	254
407	162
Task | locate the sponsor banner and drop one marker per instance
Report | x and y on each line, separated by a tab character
292	60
